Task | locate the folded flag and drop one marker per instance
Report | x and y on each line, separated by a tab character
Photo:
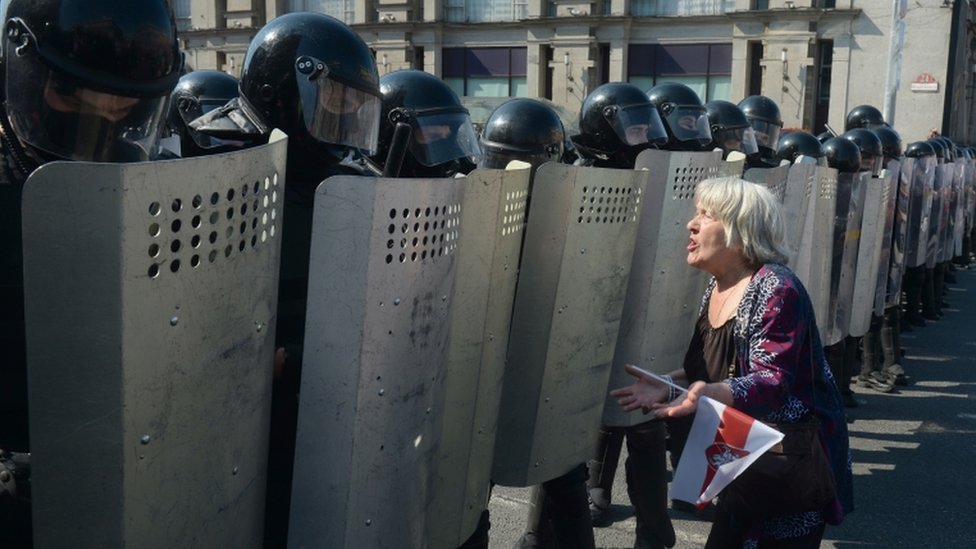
723	442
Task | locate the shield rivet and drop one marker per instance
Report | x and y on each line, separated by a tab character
381	392
173	321
396	301
145	439
234	470
369	521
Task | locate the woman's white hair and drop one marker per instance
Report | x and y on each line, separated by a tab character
752	217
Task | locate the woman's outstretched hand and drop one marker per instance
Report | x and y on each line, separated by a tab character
681	406
643	394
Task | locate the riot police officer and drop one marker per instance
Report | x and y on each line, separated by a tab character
764	115
800	146
522	129
864	116
196	94
932	284
685	117
844	156
314	78
617	122
730	128
78	84
914	278
440	142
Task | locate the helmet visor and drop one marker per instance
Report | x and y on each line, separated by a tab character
335	112
191	108
637	125
767	134
442	137
872	164
495	157
690	123
737	139
69	120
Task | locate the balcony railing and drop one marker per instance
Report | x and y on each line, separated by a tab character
663	8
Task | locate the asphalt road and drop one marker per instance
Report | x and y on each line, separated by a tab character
914	452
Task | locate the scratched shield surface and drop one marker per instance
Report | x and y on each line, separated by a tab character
663	292
490	243
151	291
576	258
900	232
877	192
381	275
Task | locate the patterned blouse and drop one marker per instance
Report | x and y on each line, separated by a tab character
782	375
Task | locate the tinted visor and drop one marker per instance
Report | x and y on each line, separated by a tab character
443	136
767	134
498	158
191	108
69	120
689	123
637	124
737	139
334	111
872	164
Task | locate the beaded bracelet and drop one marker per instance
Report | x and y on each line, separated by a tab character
672	393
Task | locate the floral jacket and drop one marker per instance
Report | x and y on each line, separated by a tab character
781	371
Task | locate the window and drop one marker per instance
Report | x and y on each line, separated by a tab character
477	11
486	72
343	10
660	8
705	68
184	20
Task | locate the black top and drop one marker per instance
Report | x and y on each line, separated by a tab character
711	351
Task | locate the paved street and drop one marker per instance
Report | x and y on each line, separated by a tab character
913	451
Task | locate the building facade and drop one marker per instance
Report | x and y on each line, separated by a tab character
816	58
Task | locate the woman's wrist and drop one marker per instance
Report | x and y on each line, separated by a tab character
672	393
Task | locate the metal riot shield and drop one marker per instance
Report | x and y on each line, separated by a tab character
970	194
381	275
488	252
663	293
899	232
958	209
920	211
811	200
948	213
151	292
937	220
733	168
875	225
847	234
773	178
575	263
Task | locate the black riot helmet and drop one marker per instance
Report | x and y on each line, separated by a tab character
822	137
890	142
842	154
730	128
872	156
864	116
89	79
442	141
617	122
803	145
196	94
311	76
919	149
522	129
684	116
763	114
939	148
950	147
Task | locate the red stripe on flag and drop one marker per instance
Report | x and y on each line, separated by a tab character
729	444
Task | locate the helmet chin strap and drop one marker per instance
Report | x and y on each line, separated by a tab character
22	159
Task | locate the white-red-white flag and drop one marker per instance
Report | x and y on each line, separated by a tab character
723	442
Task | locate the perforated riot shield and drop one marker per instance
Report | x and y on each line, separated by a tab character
663	293
847	235
488	252
933	250
899	232
151	291
811	205
575	263
871	253
381	282
773	178
920	211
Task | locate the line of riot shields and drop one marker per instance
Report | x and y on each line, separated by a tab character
455	337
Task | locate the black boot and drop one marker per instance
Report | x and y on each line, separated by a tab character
567	510
647	485
891	348
602	470
929	310
871	376
913	279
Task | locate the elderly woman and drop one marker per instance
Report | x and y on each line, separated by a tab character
756	348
